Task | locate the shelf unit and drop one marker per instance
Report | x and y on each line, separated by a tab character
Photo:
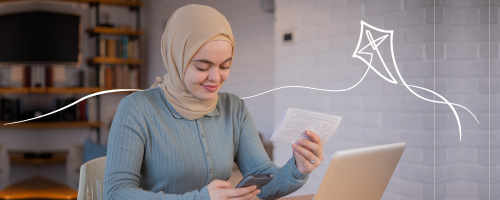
99	62
95	62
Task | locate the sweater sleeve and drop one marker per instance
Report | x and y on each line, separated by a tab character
126	145
251	158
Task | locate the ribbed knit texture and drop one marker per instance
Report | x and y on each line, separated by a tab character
154	153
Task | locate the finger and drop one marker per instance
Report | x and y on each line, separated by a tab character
316	149
250	195
301	160
221	184
315	138
304	152
240	191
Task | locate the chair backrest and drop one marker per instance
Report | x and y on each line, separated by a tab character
4	167
91	179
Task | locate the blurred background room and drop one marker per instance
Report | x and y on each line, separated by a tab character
450	47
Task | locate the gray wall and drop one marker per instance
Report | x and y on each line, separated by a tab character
435	164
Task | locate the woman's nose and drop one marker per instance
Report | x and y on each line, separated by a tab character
214	75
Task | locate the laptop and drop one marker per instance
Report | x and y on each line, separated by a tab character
359	173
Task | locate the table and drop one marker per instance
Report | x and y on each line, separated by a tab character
38	188
302	197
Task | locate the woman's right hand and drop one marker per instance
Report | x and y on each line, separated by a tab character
218	189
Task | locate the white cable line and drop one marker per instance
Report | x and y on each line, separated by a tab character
81	99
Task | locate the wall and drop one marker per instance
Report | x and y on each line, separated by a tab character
435	164
252	71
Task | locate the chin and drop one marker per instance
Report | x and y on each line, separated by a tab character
209	96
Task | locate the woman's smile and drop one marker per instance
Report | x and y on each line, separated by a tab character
211	88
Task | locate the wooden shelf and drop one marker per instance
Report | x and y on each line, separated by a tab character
104	60
76	90
52	125
79	90
108	2
14	90
38	188
55	157
114	31
112	2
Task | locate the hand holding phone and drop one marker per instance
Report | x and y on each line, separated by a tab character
258	180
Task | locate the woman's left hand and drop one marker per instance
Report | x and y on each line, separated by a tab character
308	155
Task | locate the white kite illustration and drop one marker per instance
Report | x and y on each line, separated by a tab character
371	50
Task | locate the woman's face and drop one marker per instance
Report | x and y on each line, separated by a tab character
208	69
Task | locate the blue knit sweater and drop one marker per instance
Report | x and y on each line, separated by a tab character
155	153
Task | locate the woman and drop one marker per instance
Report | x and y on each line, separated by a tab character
179	139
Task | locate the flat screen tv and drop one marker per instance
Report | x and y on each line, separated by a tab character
39	37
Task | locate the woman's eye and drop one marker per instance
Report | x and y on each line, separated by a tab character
202	69
225	67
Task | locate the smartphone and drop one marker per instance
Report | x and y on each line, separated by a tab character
258	180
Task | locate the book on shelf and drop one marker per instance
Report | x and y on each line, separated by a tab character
91	109
27	76
49	79
119	76
16	75
81	112
102	48
121	47
102	78
111	48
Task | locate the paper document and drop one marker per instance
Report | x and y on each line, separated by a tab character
295	122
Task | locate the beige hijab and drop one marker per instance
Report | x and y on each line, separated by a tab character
189	28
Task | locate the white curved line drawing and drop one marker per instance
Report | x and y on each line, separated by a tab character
77	101
374	46
311	88
373	43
